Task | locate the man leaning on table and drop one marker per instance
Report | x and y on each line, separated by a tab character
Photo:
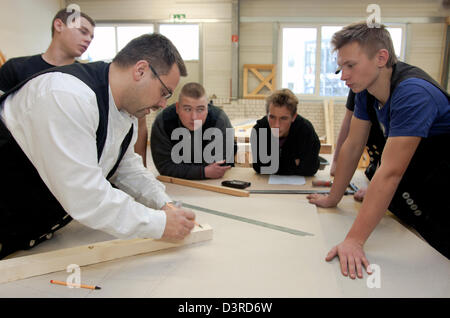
66	144
411	116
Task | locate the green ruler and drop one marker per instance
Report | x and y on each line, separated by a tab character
247	220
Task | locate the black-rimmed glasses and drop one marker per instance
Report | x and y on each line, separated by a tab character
169	92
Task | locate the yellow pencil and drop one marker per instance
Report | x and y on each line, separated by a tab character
57	282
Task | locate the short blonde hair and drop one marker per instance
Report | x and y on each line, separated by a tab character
371	39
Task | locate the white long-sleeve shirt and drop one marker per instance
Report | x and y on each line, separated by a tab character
54	119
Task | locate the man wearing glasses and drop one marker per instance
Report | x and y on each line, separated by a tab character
191	119
66	139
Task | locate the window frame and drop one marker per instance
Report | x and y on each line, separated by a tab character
318	67
155	25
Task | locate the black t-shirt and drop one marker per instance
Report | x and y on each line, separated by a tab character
350	101
18	69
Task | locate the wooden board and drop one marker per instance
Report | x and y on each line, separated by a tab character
268	81
326	149
2	59
331	122
204	186
43	263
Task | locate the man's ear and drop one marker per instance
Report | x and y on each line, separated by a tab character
382	57
293	118
139	70
58	25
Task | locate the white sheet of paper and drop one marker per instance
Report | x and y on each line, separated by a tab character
296	180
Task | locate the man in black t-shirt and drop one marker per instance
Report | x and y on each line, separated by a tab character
70	39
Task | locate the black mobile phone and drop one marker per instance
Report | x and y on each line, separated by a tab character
238	184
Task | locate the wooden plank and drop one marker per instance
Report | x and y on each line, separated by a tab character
264	82
327	121
250	96
326	149
43	263
245	82
331	122
204	186
2	59
364	161
260	66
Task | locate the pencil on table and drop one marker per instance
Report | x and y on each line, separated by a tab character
57	282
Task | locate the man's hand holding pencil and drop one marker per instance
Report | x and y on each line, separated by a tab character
179	221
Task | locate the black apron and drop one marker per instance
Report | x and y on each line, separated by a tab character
29	212
421	197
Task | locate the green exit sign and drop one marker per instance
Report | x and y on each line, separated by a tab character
178	17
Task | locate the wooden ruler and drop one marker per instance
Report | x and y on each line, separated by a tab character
204	186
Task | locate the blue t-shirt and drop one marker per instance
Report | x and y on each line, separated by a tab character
416	108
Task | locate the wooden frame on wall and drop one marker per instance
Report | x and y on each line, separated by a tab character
268	81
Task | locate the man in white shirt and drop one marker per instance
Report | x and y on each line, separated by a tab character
66	145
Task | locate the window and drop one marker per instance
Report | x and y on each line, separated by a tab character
103	46
396	35
299	62
108	40
127	33
185	37
300	71
330	83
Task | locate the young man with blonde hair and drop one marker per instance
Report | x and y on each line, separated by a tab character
408	117
298	142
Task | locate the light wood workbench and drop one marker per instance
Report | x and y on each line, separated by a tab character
247	260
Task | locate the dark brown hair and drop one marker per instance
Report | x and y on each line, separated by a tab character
154	48
63	15
283	97
371	39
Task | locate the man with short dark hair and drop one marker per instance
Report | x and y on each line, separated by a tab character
192	114
408	117
70	39
299	144
66	139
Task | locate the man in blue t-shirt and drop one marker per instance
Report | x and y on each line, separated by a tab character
408	117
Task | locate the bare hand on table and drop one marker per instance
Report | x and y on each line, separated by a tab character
179	223
350	252
321	200
351	256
